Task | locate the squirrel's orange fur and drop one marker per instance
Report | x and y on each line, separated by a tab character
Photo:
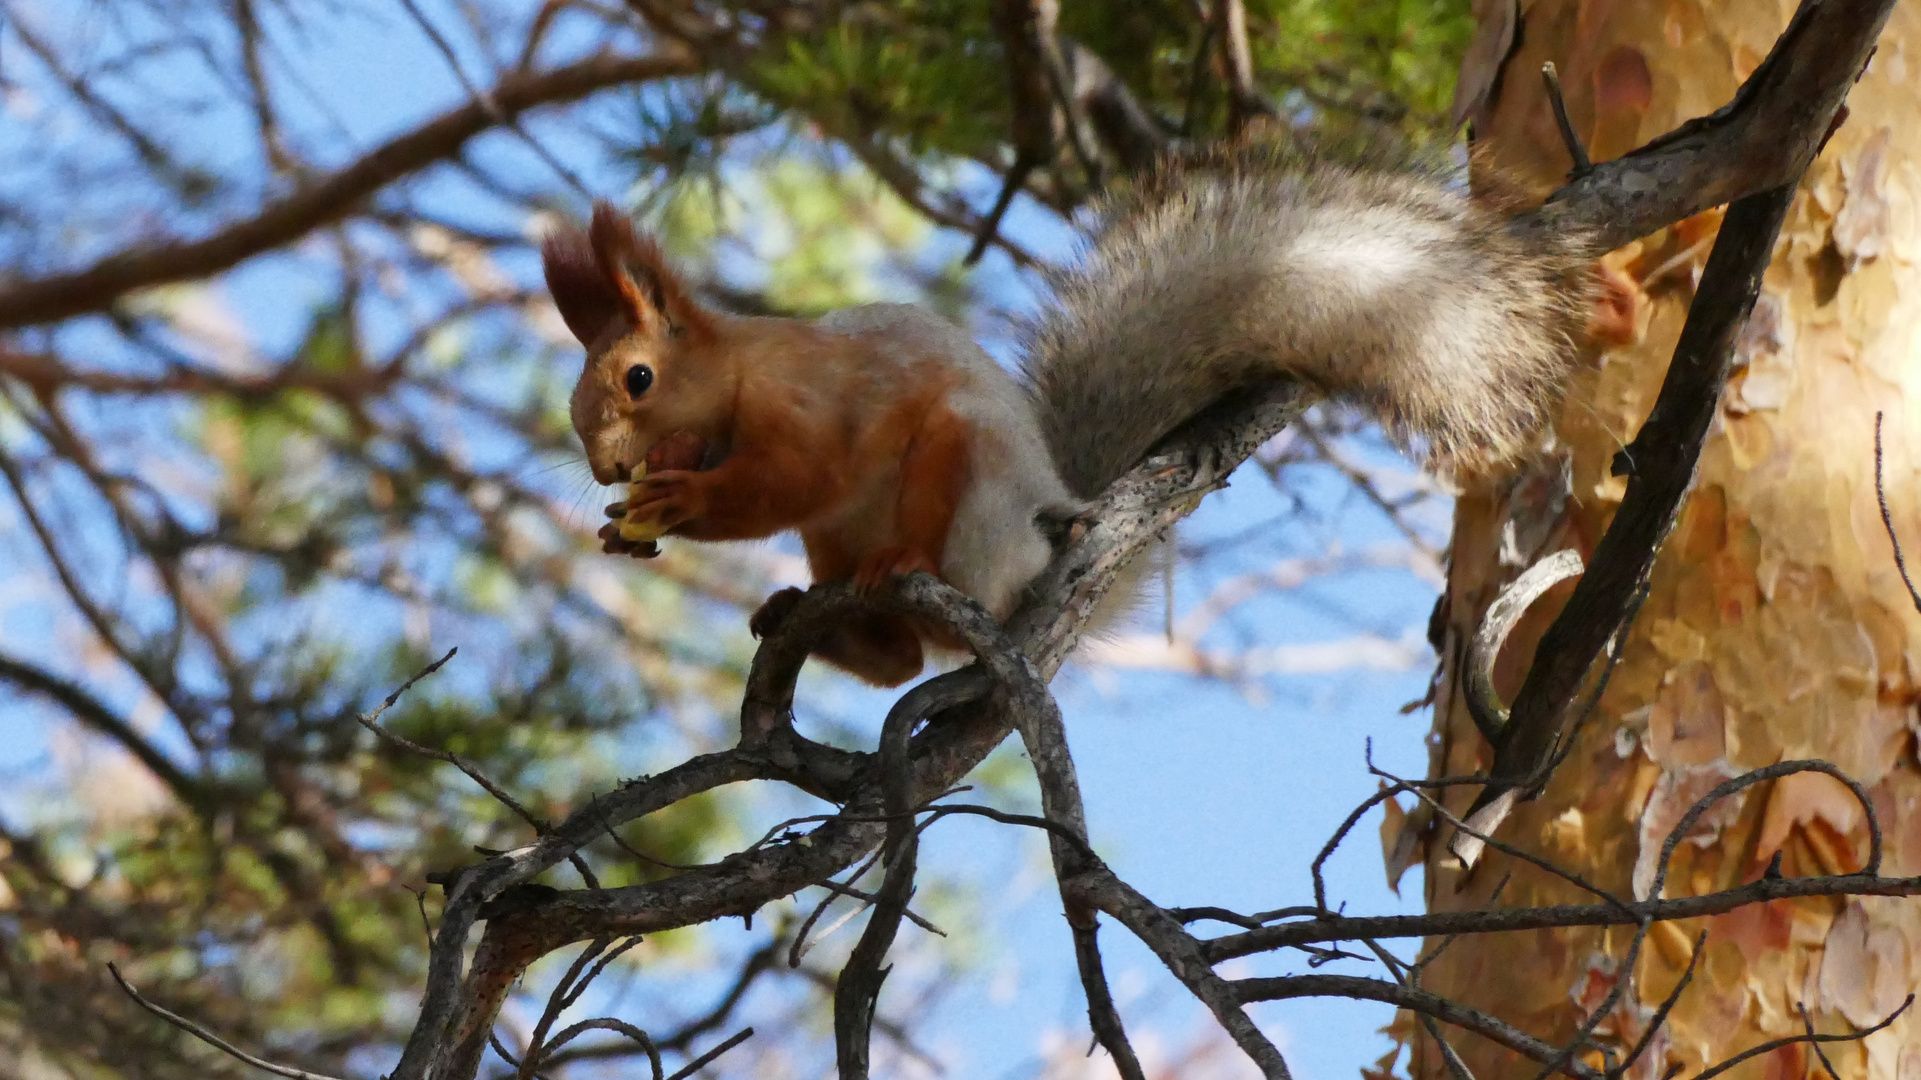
865	435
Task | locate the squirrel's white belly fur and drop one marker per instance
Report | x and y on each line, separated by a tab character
995	546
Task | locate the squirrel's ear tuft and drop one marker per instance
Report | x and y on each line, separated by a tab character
587	302
651	295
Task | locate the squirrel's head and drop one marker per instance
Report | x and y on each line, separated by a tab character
652	364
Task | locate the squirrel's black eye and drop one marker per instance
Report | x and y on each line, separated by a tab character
639	378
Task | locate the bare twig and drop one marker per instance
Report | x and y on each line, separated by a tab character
1887	519
1412	998
1335	927
1660	1016
711	1056
209	1037
1569	140
1756	776
1776	1044
38	301
803	937
858	991
602	1023
1409	977
1059	830
989	229
1483	702
1244	98
1102	1015
473	772
1038	719
1328	926
1807	1024
1505	848
485	99
1034	115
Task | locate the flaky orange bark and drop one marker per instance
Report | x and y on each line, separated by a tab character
1776	626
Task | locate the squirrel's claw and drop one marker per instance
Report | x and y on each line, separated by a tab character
612	543
774	611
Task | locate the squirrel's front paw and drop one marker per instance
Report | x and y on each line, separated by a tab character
774	611
613	543
876	567
669	498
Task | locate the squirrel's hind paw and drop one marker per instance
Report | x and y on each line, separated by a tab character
774	611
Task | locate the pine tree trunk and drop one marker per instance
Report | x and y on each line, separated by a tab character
1777	626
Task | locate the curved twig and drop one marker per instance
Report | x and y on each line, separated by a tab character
1415	999
1776	1044
1483	701
209	1037
1887	519
857	992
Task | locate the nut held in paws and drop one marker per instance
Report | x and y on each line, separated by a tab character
681	450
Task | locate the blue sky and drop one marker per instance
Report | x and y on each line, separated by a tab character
1197	792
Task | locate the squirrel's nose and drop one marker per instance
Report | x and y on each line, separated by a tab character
611	473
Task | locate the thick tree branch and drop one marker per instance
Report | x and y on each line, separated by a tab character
1765	138
1160	931
1660	465
460	1002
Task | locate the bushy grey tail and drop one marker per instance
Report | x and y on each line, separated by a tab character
1377	283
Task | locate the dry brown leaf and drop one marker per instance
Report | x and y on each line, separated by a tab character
1401	845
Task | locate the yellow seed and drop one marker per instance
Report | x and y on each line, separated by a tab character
639	531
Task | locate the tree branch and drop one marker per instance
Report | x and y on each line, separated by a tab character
1426	1002
1660	465
1765	138
209	1037
39	301
857	993
92	713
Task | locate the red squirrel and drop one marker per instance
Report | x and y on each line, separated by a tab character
891	442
